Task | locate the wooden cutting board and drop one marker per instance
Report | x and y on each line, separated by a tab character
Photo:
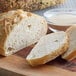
16	65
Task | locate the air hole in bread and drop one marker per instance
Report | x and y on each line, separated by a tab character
56	41
10	48
29	26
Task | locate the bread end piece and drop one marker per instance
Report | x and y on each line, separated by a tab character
70	54
20	29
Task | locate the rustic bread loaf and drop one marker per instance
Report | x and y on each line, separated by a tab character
28	5
71	52
48	48
19	29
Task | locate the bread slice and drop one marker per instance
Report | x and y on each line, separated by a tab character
48	48
27	5
71	53
19	29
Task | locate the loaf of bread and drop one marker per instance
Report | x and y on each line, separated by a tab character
48	48
19	29
71	52
27	5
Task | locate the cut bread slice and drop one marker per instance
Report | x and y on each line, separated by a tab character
19	29
71	53
48	48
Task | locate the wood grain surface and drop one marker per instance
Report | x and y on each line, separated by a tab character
16	65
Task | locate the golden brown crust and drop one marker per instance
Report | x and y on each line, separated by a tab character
7	24
28	5
8	21
43	60
70	56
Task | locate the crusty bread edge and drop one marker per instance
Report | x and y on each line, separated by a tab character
73	54
43	60
19	11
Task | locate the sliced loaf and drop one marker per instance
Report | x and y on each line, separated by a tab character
48	48
19	29
71	52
